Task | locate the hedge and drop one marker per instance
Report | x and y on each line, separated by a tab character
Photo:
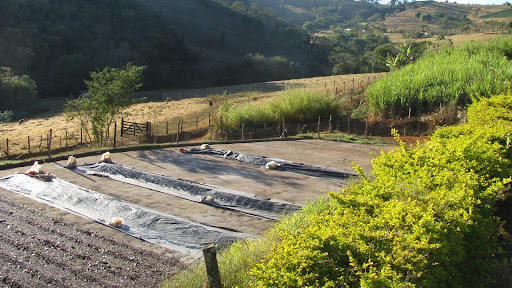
422	218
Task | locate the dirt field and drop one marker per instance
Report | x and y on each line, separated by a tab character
38	249
74	248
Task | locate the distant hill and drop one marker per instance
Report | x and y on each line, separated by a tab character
59	42
219	33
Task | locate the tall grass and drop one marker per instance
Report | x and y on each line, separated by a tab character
293	106
451	75
236	262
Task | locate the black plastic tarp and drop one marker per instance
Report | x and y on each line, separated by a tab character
284	165
209	195
153	226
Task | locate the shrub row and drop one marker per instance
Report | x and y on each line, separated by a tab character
422	219
449	75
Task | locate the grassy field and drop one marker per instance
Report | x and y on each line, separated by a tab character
162	106
457	39
407	20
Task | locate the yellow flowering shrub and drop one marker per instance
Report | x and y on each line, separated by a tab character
423	218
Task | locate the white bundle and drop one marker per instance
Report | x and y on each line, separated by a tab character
35	169
105	158
272	165
205	146
72	163
116	222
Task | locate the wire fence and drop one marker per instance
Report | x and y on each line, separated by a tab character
202	127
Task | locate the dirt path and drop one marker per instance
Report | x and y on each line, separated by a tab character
39	250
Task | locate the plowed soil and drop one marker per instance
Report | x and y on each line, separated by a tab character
39	250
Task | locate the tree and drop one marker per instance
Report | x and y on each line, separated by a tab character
16	91
109	93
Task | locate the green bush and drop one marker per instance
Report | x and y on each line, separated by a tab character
423	219
450	75
295	106
16	91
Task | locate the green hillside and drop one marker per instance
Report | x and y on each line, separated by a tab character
58	42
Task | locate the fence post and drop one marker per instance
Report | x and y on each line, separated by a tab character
7	147
212	267
28	142
330	123
197	122
66	139
318	126
178	132
81	138
243	127
166	127
122	125
209	120
365	128
115	135
284	130
50	144
40	143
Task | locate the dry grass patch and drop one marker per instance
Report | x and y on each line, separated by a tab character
162	106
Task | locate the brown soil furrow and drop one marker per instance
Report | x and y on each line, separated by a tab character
53	239
40	250
78	236
60	263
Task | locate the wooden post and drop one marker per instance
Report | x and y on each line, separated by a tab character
81	136
178	132
122	126
28	142
50	144
7	147
166	127
66	139
284	129
330	123
212	267
40	143
197	122
365	128
409	112
318	126
243	127
209	120
115	135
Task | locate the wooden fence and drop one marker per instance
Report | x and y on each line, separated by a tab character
135	129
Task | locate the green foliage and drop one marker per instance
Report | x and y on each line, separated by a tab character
294	106
235	262
6	116
447	75
109	93
352	51
16	91
257	68
423	219
58	42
